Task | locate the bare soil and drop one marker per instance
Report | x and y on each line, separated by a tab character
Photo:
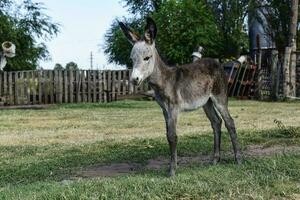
117	169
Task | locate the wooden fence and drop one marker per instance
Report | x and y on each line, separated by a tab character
62	86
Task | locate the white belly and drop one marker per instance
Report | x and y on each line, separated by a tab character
192	105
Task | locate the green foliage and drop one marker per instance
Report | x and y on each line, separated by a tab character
143	7
25	24
182	25
71	66
230	16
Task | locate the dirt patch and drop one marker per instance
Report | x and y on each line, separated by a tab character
258	150
110	170
159	163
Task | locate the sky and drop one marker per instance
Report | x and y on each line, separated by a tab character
83	25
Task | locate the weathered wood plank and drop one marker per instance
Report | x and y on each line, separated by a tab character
51	85
83	82
119	79
5	86
124	82
130	85
16	93
10	88
109	87
21	86
60	86
40	86
100	85
33	86
55	86
104	83
27	87
95	86
89	85
71	88
78	86
65	82
46	91
113	85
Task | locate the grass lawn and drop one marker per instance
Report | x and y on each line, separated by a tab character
49	154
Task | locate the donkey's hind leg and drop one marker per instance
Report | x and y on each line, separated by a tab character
216	124
222	106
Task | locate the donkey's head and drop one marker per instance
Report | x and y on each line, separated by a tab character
143	51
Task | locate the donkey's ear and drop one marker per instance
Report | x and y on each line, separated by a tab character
130	35
150	31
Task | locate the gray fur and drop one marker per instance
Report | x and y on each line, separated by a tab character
187	87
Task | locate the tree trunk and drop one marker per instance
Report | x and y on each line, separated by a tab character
292	44
274	72
286	72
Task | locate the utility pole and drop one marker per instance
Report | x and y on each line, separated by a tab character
91	59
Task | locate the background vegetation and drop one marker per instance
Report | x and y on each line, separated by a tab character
26	25
220	26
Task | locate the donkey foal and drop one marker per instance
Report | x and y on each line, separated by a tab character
187	87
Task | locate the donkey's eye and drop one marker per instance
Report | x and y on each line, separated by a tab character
147	58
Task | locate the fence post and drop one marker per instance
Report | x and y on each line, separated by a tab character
286	72
274	72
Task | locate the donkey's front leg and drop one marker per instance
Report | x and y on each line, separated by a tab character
172	138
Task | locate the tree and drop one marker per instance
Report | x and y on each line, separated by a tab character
24	24
71	66
230	17
58	67
293	45
142	7
182	25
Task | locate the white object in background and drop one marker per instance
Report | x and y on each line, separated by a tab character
197	54
242	59
9	49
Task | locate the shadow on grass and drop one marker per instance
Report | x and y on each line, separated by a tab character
27	164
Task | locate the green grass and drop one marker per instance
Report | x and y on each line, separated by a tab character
41	151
